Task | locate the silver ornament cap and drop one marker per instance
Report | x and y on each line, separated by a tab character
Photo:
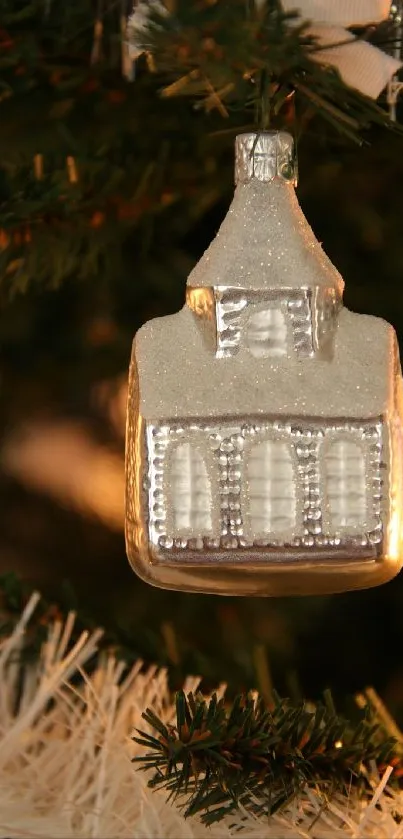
265	156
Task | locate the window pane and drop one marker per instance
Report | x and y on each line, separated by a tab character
190	492
270	476
267	333
345	484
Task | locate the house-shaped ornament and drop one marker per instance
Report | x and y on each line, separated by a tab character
264	440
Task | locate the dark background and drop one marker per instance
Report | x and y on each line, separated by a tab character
69	310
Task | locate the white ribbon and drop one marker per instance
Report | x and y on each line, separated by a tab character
362	66
137	25
339	12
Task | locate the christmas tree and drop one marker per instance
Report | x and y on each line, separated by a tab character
116	170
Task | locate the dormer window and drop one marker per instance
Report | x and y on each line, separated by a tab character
267	333
268	322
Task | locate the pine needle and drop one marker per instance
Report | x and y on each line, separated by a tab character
235	56
256	758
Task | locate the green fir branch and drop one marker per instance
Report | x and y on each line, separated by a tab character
232	55
58	100
217	759
223	758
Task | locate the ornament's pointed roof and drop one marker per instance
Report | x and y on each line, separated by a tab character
265	241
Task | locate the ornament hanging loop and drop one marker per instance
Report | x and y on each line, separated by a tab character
263	111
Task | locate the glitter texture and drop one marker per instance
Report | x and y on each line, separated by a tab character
265	241
265	358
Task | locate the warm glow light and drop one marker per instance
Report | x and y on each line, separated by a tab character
136	488
62	460
394	532
201	301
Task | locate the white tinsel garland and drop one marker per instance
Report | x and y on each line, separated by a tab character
66	748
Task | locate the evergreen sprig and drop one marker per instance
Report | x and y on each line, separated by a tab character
218	759
62	99
133	156
238	56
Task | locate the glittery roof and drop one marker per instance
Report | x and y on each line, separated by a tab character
265	242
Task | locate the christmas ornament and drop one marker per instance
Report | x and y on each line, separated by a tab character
264	436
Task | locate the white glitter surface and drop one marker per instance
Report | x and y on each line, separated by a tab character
180	377
265	242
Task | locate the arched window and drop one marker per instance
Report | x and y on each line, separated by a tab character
271	489
190	492
266	333
345	485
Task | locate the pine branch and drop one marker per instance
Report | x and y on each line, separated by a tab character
217	760
242	758
132	155
60	102
234	56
